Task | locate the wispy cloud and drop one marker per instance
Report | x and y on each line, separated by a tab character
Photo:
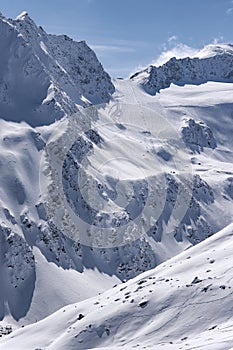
174	48
179	51
132	43
111	48
171	48
119	46
172	38
219	40
229	11
118	72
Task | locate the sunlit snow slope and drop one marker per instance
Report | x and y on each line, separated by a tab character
185	303
44	80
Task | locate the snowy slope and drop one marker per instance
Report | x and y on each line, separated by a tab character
37	262
183	304
202	117
25	218
44	77
135	142
53	262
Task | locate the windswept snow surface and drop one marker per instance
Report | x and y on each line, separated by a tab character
185	303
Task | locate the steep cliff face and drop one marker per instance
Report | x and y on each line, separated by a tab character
215	63
45	77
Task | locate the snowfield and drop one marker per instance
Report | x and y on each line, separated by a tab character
144	168
184	303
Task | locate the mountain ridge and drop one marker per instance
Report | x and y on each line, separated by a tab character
51	75
199	69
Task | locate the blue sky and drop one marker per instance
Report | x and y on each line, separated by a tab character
129	34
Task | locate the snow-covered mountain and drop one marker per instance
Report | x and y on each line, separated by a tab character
159	169
184	303
45	77
212	63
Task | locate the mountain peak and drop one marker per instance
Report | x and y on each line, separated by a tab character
24	20
214	50
212	63
65	73
22	16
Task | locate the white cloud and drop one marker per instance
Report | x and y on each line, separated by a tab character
119	46
139	68
218	40
118	72
106	48
172	38
169	49
178	51
172	48
230	9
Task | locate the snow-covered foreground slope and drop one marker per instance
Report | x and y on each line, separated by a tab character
185	303
44	77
